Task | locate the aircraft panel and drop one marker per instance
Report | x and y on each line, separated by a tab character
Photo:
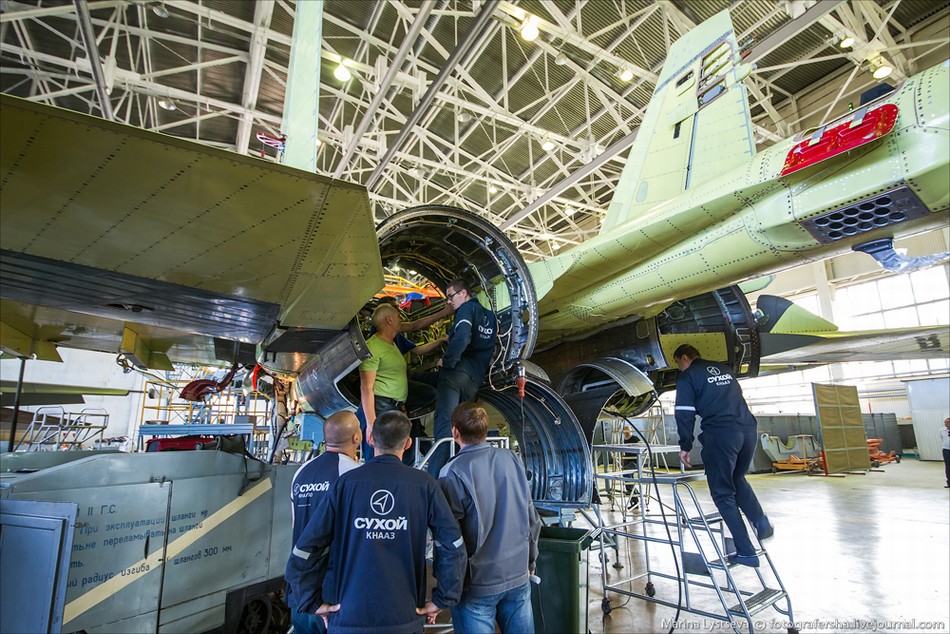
922	342
99	194
99	334
697	126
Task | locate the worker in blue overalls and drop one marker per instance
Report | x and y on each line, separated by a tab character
372	530
729	436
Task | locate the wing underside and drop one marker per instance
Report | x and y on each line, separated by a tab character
124	228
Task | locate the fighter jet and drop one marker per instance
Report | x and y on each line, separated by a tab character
122	240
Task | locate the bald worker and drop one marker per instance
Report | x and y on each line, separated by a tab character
311	484
384	384
372	529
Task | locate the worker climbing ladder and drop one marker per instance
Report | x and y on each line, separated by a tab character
704	581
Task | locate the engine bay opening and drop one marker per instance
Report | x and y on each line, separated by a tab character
556	455
444	243
432	246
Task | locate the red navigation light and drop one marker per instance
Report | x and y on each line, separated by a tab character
838	137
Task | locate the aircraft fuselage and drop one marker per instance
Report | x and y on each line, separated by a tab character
753	221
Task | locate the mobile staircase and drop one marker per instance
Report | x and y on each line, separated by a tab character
706	583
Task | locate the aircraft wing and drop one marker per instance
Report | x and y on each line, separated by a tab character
51	394
921	342
116	239
791	337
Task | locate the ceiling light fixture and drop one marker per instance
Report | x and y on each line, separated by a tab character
319	142
492	189
415	171
166	103
160	10
880	69
341	72
626	74
529	29
548	145
464	117
846	42
570	211
561	59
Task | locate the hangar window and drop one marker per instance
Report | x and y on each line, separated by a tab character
921	298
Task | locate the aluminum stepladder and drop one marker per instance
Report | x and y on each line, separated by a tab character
54	429
701	549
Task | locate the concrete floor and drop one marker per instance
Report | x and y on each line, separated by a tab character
856	553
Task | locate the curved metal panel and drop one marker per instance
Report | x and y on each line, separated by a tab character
443	243
318	380
555	453
627	376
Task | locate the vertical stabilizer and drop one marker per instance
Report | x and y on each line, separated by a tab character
697	125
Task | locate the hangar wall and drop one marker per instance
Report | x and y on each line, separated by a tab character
87	369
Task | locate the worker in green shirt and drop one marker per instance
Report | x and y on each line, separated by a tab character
384	385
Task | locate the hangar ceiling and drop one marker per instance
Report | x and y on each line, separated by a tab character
525	132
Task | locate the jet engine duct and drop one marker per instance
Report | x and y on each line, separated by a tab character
318	382
556	456
444	243
636	358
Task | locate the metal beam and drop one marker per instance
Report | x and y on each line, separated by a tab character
13	11
571	180
92	52
790	29
383	88
481	21
263	11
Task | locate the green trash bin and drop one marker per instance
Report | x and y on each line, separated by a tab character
560	601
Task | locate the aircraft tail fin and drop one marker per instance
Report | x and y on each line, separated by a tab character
697	125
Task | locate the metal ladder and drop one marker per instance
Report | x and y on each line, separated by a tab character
701	550
706	533
54	429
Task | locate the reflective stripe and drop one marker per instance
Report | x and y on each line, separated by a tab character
458	543
157	559
688	408
436	544
463	321
303	554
